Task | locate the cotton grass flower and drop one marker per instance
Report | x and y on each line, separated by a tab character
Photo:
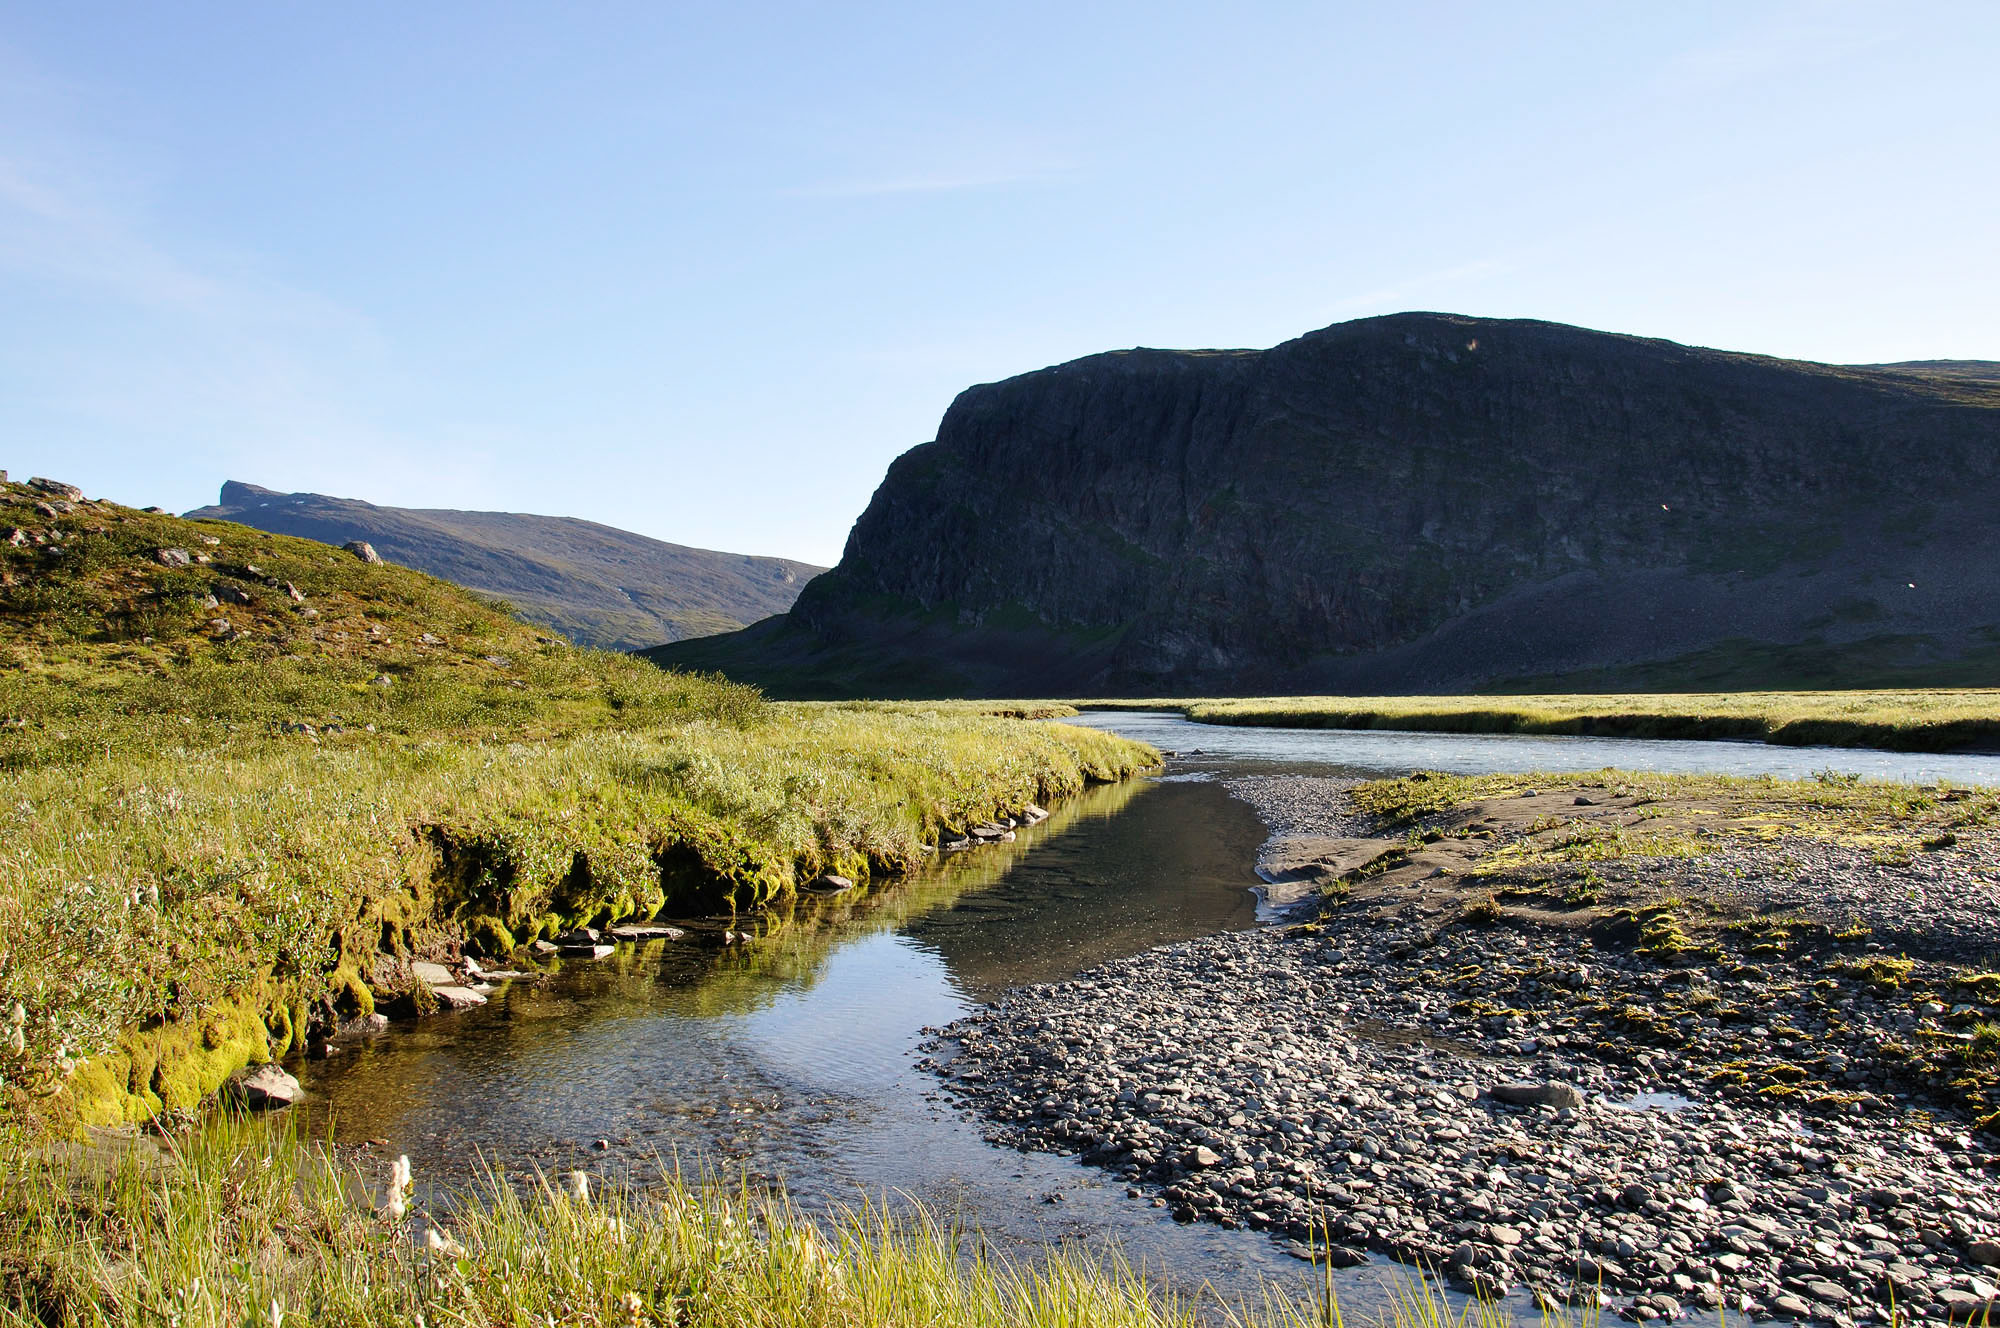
397	1202
438	1243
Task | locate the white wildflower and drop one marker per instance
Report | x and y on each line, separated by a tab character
397	1201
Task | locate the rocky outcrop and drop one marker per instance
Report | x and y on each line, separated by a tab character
1419	502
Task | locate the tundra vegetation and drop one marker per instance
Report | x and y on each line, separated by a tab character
248	778
1911	719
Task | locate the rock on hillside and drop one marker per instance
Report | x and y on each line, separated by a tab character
1421	502
601	586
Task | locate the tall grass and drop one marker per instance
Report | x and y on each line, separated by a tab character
244	1223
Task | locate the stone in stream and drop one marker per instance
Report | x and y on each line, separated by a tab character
1033	815
647	931
435	975
267	1087
829	884
457	998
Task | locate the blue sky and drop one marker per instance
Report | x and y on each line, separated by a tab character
703	270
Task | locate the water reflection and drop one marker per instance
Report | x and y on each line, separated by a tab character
793	1059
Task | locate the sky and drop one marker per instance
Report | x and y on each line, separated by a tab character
703	270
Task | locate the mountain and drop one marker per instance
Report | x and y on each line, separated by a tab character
600	586
1418	503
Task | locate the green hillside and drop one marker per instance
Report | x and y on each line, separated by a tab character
250	777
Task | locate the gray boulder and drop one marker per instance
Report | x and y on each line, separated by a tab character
56	487
1536	1095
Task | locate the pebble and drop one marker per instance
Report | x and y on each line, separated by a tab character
1444	1094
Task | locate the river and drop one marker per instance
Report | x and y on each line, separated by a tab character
793	1060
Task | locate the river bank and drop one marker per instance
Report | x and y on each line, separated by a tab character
1674	1042
251	782
1939	719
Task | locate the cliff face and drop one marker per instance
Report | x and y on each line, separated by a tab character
601	586
1420	502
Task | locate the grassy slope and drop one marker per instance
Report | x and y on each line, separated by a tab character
221	836
1923	720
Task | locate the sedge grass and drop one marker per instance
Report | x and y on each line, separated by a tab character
242	1222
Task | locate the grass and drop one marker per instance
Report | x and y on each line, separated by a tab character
1831	805
1934	720
243	1223
221	838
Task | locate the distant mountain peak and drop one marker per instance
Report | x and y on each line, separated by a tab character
600	585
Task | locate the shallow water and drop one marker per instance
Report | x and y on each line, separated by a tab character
793	1060
1391	752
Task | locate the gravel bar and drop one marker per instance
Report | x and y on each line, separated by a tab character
1580	1111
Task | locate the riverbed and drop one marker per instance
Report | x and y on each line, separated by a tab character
792	1059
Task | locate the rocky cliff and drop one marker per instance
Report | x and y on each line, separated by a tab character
601	586
1420	502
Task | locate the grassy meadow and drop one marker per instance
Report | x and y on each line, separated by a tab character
1916	720
245	777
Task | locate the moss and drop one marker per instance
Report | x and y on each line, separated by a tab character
351	997
168	1067
1883	974
1485	912
487	935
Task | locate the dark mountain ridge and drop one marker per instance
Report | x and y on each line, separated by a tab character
601	586
1422	502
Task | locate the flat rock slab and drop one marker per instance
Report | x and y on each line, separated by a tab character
829	884
268	1087
435	975
1294	866
586	951
457	998
648	932
1309	857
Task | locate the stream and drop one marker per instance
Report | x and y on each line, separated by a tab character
792	1060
